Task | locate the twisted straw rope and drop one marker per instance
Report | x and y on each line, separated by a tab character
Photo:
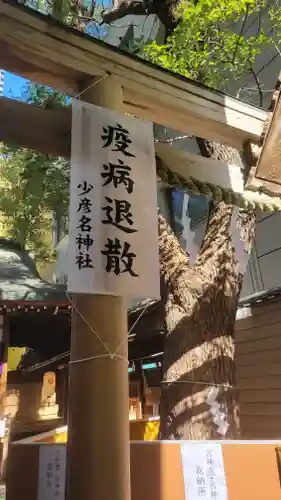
191	185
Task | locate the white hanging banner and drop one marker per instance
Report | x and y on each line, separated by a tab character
203	471
52	470
113	234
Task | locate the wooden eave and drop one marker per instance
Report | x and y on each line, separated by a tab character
269	163
40	49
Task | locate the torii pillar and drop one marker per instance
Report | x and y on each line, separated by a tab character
98	452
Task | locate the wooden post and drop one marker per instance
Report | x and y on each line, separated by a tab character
98	457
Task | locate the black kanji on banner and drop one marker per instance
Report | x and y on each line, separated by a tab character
119	258
83	260
118	213
85	188
84	240
118	137
117	175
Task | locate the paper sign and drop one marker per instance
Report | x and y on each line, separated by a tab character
241	255
2	427
219	417
113	236
52	470
203	471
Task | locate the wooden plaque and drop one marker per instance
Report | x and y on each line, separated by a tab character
269	163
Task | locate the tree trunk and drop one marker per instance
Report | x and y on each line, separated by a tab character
200	304
200	301
162	8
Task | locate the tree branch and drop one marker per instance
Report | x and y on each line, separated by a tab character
124	8
258	85
240	34
163	9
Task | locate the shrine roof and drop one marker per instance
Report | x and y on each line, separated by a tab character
20	280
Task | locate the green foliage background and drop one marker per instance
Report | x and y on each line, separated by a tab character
203	46
33	187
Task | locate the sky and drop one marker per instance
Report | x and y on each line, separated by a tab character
13	85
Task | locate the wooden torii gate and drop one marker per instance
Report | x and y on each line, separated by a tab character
38	48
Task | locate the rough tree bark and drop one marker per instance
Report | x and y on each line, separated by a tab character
200	305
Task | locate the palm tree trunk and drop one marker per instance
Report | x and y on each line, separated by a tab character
200	304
